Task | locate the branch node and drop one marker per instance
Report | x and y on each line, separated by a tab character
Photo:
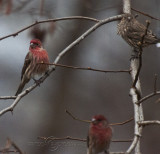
15	34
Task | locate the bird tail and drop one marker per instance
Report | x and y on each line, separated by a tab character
21	86
87	151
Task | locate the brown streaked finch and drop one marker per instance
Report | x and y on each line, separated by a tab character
132	32
99	136
31	68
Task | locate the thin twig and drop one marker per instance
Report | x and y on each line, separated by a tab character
117	153
50	20
140	54
88	68
7	97
122	123
75	118
52	138
145	14
130	140
88	121
16	147
8	151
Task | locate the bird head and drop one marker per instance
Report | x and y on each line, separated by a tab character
100	121
35	43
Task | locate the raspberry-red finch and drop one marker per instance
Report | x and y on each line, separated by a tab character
132	32
31	68
99	136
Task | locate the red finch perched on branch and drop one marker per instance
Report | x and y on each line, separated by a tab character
99	136
30	68
132	32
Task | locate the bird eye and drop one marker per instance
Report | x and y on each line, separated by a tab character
99	120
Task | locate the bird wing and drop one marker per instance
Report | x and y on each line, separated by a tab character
26	63
89	145
88	141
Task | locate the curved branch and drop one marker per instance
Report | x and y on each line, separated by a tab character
88	68
75	118
148	96
49	20
122	123
133	145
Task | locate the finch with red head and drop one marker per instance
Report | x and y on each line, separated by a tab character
99	136
31	68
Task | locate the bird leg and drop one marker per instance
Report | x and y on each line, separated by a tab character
38	82
47	73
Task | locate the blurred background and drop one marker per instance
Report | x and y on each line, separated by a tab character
83	93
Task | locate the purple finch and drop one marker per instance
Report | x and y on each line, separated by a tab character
99	136
31	68
132	32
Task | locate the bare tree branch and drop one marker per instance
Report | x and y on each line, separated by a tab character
88	121
122	123
116	153
145	14
130	140
50	20
155	92
150	122
135	93
133	145
88	68
52	138
16	147
7	97
147	97
75	118
9	145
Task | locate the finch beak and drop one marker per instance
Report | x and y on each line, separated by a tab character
32	45
94	121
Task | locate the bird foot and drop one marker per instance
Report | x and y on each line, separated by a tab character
38	82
